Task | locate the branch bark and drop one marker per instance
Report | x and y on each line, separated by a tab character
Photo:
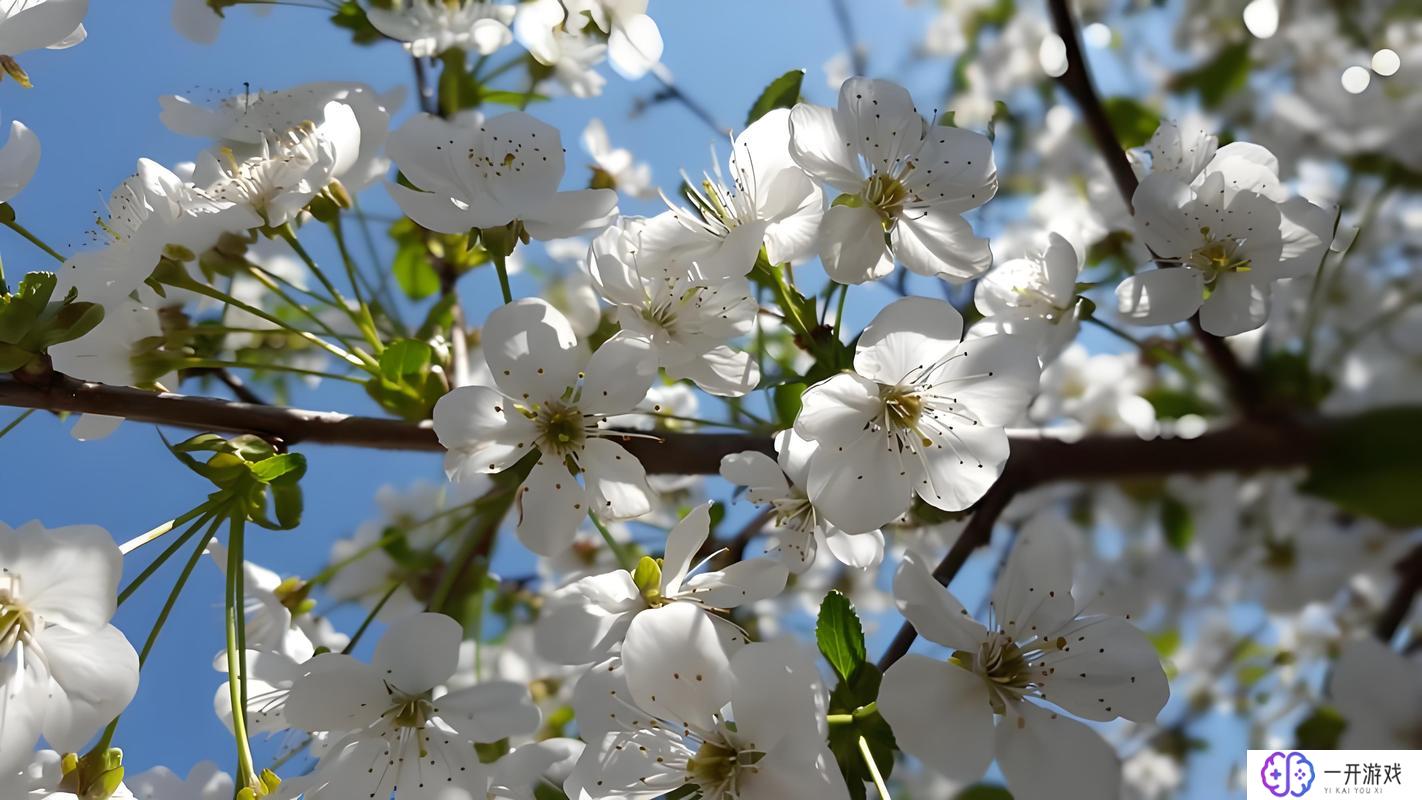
1245	446
1077	82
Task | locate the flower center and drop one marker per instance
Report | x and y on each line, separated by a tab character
795	512
560	429
886	195
1217	256
716	768
902	406
414	712
17	622
1003	666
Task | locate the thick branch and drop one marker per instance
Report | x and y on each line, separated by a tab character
1409	584
1242	447
1077	82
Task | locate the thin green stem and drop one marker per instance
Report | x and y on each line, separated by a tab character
369	618
1112	329
359	317
33	239
212	363
15	423
144	538
503	271
623	559
353	273
160	621
175	546
208	291
334	567
857	714
236	656
873	769
839	311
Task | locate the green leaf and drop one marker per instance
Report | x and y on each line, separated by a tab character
787	402
269	470
984	791
405	357
352	17
839	635
783	92
1286	376
414	272
1371	465
1176	403
1219	77
506	98
1178	524
1320	730
1133	121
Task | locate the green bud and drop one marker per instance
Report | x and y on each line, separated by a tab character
178	253
7	213
648	578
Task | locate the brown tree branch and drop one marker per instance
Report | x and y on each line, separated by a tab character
1077	82
1409	584
1242	447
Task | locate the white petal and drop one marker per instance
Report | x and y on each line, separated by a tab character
835	411
852	245
820	148
570	213
489	711
880	119
1160	204
616	482
1033	593
551	505
70	574
629	765
19	159
633	46
602	702
858	550
918	698
22	704
419	652
1238	303
861	485
1304	231
677	666
758	472
993	376
340	694
1037	749
480	431
94	676
37	25
954	171
904	337
777	692
933	610
938	243
1161	296
683	543
433	211
741	583
585	621
532	350
618	375
1112	670
720	371
962	462
490	35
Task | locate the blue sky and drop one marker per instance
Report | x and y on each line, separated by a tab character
95	110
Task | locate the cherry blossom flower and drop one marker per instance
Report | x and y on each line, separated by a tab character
1034	296
430	27
660	612
540	26
549	397
1231	229
615	165
65	672
780	484
905	184
27	25
1037	646
391	731
204	782
489	173
920	414
769	201
243	122
634	43
770	746
687	321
